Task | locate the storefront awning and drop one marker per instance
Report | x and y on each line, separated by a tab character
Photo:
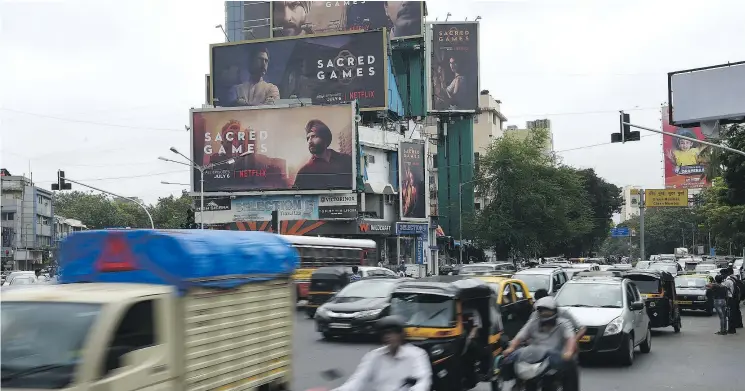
379	188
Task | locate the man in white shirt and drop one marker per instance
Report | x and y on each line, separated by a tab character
256	91
393	367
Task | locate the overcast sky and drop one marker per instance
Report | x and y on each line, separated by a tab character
102	88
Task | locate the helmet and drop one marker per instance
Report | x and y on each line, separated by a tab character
390	323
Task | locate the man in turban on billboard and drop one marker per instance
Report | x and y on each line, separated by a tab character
327	168
405	17
256	91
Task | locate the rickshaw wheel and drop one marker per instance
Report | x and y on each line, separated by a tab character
676	326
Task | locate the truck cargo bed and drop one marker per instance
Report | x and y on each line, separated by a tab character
238	339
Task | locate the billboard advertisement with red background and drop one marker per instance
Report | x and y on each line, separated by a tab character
294	148
685	161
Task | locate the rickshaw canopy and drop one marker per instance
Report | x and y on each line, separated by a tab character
459	287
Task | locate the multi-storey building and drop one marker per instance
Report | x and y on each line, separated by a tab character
630	207
27	223
530	126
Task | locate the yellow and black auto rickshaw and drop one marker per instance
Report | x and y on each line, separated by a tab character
439	312
657	287
325	282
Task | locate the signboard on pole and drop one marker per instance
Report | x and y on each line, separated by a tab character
654	198
619	232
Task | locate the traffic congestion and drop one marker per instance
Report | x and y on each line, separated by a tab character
246	306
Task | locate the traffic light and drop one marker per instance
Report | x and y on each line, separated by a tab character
625	134
275	221
61	183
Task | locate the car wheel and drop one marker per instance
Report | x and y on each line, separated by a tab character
326	335
676	326
646	345
626	355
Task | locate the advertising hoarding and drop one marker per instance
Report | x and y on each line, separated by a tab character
212	204
290	149
685	161
327	69
715	93
311	207
412	180
404	19
454	67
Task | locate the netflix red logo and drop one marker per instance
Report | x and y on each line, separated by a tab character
250	173
362	95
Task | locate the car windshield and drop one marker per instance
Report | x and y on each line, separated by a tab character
424	310
368	289
667	267
534	281
690	282
476	269
590	295
42	342
647	285
702	267
22	280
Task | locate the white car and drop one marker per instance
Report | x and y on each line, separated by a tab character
612	310
13	275
370	271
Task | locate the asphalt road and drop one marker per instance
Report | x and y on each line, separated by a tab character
695	360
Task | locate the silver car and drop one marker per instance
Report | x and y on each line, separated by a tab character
612	310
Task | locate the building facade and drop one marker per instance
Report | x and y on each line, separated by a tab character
530	126
27	223
630	206
247	20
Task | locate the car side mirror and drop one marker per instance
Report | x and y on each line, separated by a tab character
638	306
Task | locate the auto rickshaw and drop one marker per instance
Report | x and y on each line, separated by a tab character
436	310
325	282
657	287
513	298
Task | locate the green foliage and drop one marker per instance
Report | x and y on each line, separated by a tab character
534	204
99	211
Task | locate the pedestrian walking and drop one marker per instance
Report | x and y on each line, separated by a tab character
729	284
719	293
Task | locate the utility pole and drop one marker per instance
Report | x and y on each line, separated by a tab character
642	206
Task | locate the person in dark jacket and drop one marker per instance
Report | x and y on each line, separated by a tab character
735	316
327	168
719	293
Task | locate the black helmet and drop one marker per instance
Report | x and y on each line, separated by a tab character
390	323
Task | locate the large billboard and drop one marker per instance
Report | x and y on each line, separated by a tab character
259	149
715	93
312	207
685	161
404	19
412	180
330	69
454	67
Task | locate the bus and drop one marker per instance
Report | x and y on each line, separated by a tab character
317	252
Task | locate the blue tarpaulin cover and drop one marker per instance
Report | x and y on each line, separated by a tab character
184	258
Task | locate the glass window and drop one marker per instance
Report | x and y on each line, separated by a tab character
556	281
519	292
647	286
51	350
629	294
136	330
688	282
424	310
506	294
368	289
534	281
591	295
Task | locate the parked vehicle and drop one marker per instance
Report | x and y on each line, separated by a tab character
150	310
550	279
693	293
612	310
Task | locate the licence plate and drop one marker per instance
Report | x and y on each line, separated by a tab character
340	325
685	302
586	338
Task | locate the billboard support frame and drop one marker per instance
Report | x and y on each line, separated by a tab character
670	75
429	36
355	165
321	35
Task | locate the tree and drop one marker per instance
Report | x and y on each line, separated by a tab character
666	229
725	221
734	172
605	200
534	203
98	211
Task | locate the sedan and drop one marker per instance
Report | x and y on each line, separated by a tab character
356	308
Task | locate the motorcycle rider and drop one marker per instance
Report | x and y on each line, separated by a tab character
547	329
393	367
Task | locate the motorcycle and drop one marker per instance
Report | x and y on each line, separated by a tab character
533	371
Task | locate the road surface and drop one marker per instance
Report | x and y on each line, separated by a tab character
694	360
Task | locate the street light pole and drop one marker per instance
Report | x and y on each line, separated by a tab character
460	223
152	224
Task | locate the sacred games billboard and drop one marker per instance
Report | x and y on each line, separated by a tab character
454	67
403	19
329	69
257	149
412	180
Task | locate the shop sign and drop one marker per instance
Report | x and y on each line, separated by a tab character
373	228
411	229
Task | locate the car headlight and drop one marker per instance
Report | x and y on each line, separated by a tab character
437	350
322	312
614	327
702	298
369	313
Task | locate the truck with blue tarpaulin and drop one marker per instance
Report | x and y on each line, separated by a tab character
156	310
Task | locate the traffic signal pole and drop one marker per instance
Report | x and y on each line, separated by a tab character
726	148
152	225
